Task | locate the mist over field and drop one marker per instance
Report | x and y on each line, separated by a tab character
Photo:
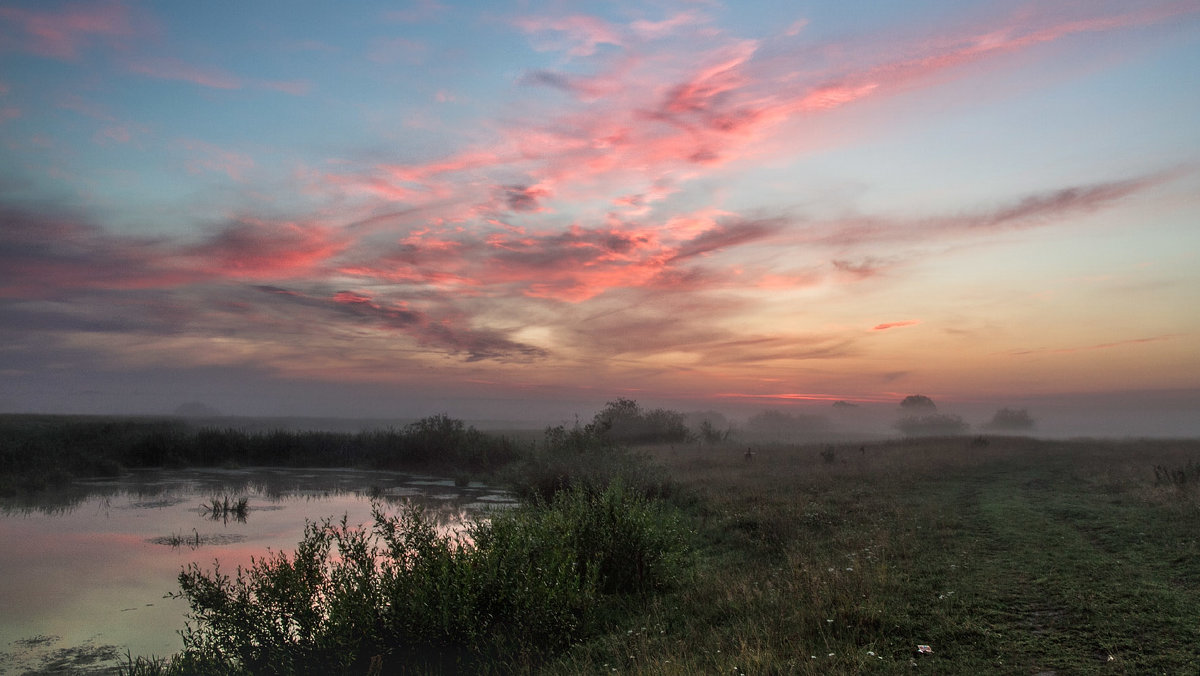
1153	414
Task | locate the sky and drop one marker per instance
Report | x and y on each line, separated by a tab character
526	209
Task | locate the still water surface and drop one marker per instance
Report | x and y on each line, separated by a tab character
84	571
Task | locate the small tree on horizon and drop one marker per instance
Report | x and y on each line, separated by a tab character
918	404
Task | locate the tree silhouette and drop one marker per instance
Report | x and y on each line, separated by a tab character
918	404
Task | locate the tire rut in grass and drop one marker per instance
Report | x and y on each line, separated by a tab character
1073	599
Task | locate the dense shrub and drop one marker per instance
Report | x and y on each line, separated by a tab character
625	422
401	596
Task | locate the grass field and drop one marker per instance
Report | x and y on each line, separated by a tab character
1003	555
1018	556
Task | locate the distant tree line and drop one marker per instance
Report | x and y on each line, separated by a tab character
39	451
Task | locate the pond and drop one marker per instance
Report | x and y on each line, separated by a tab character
84	571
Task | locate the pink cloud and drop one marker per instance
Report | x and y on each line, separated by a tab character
205	157
796	27
265	250
574	265
351	297
660	116
465	161
64	33
793	396
580	34
658	29
894	325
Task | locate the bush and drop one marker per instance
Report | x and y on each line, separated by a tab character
624	422
400	595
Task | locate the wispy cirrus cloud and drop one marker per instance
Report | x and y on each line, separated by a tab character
1089	348
1047	207
66	31
570	265
161	68
445	333
174	69
577	34
895	325
638	118
205	157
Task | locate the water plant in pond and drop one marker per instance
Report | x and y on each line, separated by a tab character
177	540
197	539
225	509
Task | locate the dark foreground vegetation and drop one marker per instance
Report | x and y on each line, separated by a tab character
1002	555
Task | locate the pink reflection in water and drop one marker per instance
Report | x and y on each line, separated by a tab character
95	572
